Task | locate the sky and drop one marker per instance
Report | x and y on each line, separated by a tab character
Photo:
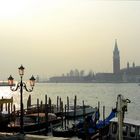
51	37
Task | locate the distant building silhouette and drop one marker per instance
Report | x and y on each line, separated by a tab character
127	65
133	65
116	59
128	74
131	74
82	72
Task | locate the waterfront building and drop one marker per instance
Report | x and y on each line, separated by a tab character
115	76
131	74
82	72
76	73
71	73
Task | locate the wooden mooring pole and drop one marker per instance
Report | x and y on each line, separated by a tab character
104	114
75	104
62	112
46	114
38	120
67	110
57	103
98	110
65	116
84	113
50	106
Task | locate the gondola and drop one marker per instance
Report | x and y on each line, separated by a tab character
91	127
78	112
35	123
63	132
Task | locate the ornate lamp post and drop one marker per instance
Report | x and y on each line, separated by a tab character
21	85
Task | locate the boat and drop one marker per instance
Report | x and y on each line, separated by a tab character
35	123
5	83
4	119
79	111
63	132
119	128
70	131
92	127
131	129
5	110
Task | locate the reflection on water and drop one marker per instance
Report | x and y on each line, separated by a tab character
90	93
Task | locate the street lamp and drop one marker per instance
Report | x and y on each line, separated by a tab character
21	85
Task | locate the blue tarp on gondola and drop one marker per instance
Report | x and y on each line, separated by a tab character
101	123
92	122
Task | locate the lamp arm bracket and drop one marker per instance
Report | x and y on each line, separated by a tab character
16	88
25	87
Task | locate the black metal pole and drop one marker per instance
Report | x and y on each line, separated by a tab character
20	86
21	107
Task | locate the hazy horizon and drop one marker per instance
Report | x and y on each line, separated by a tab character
51	37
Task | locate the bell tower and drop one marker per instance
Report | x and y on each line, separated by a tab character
116	59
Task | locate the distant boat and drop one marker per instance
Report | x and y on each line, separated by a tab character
5	83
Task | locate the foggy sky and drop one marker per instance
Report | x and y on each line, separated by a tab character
51	37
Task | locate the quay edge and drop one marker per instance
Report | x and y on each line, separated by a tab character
11	136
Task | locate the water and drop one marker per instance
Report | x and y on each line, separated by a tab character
91	93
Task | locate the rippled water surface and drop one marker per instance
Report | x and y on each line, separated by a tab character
90	93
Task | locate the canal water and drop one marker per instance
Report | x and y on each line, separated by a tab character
91	93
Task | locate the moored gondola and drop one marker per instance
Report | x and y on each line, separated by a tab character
34	123
63	132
